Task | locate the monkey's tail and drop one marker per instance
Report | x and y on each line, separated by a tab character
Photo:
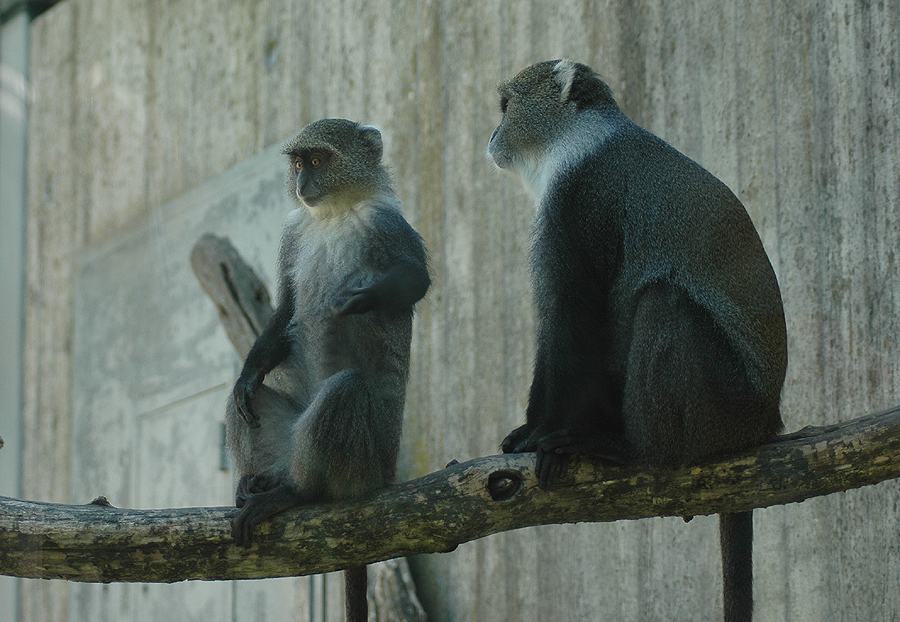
356	582
736	540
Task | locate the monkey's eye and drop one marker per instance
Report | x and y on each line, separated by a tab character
315	161
504	103
298	164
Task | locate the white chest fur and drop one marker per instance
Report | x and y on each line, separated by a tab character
587	134
324	257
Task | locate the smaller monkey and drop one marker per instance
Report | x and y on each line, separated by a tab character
326	423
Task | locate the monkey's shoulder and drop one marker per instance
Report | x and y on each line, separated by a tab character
393	237
638	180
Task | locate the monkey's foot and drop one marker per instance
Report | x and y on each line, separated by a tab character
258	507
610	448
249	485
555	451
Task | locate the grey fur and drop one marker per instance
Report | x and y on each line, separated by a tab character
326	424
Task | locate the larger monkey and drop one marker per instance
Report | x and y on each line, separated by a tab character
661	335
335	356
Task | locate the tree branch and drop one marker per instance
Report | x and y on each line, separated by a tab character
431	514
240	296
434	513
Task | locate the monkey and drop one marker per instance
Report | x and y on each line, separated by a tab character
661	337
316	412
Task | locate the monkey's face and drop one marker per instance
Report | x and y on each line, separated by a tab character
534	111
541	108
335	165
310	174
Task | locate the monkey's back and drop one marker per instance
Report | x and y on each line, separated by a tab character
699	235
658	215
635	214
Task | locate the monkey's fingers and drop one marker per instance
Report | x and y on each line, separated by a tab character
508	444
557	441
242	527
242	398
254	510
554	453
518	441
249	417
260	506
242	494
550	468
359	300
608	449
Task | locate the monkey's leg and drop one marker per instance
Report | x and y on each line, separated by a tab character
664	375
345	446
346	442
585	398
688	396
340	446
575	397
259	453
261	456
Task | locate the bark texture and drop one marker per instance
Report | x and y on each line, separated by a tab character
434	513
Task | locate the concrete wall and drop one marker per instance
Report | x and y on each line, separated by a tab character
795	105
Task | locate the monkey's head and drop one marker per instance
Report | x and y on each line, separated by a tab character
538	105
335	166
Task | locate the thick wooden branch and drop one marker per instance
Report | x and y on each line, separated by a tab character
431	514
240	296
434	513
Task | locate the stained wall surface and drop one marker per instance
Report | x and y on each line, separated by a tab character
795	105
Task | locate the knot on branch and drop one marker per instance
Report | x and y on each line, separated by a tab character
503	485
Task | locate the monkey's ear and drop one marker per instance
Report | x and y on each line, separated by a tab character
581	84
371	137
564	72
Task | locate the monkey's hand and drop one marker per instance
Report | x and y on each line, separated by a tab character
555	450
520	440
399	288
357	300
244	392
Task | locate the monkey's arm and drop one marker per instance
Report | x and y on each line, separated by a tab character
398	257
541	423
270	349
400	287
